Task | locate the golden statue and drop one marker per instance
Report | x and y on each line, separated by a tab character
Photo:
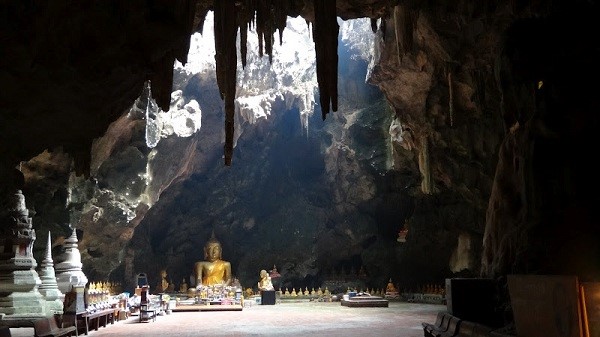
184	286
212	270
265	281
164	284
390	287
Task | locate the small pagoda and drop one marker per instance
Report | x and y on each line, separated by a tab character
49	288
69	274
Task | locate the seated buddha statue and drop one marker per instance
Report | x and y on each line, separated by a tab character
390	287
265	281
184	286
213	270
164	283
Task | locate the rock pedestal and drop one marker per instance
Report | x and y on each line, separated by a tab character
68	271
49	288
20	300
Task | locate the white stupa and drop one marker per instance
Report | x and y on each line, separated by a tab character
68	271
21	303
49	288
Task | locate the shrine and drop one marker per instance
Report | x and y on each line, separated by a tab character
215	290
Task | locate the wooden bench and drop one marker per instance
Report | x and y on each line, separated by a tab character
438	322
466	329
48	327
445	325
481	330
77	320
441	324
450	330
100	318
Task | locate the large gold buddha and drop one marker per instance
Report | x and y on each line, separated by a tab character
213	270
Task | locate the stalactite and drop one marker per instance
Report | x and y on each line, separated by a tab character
162	81
410	24
374	25
271	15
426	184
325	36
450	99
262	25
244	44
186	12
226	64
398	33
280	18
245	18
404	24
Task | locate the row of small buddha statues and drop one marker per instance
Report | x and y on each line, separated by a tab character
296	293
433	289
98	295
104	286
426	289
101	292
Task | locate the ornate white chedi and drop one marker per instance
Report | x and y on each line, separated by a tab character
20	301
49	288
68	271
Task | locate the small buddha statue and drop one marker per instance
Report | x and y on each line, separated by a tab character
265	283
213	270
390	287
164	284
184	286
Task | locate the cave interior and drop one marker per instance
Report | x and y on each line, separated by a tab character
476	140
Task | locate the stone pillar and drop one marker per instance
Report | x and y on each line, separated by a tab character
49	288
68	271
20	300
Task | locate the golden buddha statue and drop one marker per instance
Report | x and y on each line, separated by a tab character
265	281
213	270
184	286
390	287
164	283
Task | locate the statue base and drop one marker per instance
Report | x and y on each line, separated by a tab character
267	297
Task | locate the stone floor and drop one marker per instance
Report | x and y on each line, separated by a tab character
312	319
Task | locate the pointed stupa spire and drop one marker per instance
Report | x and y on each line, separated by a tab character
48	258
49	287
